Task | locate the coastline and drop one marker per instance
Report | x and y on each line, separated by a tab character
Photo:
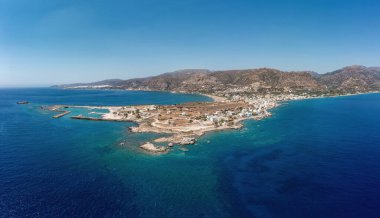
188	121
181	134
215	98
346	95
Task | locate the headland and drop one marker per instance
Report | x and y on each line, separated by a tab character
183	123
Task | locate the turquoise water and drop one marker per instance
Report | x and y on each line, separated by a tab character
85	112
313	158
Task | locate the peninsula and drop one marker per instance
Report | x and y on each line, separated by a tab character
238	95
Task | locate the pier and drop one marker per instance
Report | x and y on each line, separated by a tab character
96	119
61	114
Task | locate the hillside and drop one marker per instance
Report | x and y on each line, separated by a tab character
353	78
350	79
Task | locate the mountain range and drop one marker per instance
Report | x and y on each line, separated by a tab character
351	79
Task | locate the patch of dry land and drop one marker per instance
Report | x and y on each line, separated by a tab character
184	123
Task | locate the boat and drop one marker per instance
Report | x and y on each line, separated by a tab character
22	102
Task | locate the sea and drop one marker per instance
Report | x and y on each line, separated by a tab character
312	158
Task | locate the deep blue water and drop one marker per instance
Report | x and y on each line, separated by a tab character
313	158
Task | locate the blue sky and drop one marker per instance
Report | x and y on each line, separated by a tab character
46	42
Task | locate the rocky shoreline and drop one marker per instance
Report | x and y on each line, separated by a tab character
185	123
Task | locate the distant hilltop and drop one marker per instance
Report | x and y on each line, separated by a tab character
352	79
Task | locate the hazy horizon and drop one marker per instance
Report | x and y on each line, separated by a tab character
54	42
41	85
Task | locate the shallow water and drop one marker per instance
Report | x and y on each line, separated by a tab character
313	158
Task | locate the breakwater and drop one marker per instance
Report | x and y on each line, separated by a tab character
96	119
63	113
